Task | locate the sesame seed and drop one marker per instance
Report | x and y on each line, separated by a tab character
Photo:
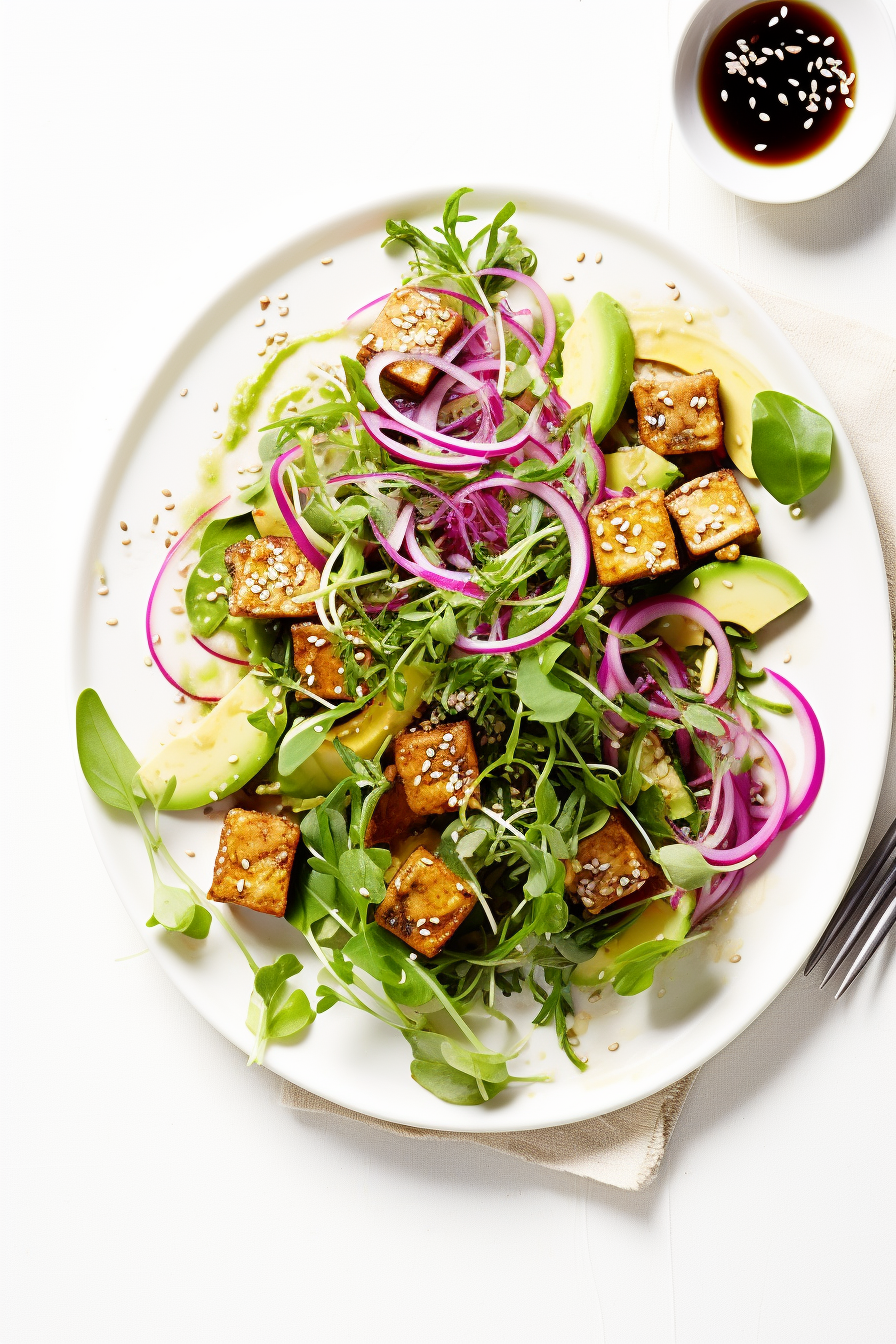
103	592
362	891
569	277
688	317
726	583
696	583
614	1046
213	795
412	956
760	148
244	863
787	657
326	261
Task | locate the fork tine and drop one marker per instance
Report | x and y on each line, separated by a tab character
882	928
852	899
873	900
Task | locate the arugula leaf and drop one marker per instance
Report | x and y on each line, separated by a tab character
108	764
638	965
698	716
791	446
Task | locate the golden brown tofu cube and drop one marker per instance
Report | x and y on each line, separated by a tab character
632	538
713	513
393	818
609	865
679	414
268	578
411	319
320	664
437	767
425	903
254	861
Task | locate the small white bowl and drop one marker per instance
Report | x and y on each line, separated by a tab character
869	32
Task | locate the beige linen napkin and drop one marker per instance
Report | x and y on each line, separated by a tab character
857	368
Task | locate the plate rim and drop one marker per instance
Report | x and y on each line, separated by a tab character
352	223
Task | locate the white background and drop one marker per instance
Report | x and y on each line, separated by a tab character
154	1188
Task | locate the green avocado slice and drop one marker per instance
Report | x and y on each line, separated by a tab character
657	921
748	592
598	362
240	726
641	468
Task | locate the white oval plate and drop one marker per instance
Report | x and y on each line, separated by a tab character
839	640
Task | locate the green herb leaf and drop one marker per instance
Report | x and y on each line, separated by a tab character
650	810
204	611
686	867
303	739
638	965
228	531
295	1014
698	716
108	764
791	446
546	696
268	979
451	1085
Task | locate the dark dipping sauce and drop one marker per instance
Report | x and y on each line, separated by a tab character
777	82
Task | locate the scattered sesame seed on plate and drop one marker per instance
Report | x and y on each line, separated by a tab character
787	657
326	261
688	317
148	661
103	592
260	322
580	257
614	1046
125	541
113	620
599	256
735	958
569	277
123	526
283	296
184	391
670	284
215	406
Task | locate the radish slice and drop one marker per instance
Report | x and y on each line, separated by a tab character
307	547
805	792
580	563
216	653
179	546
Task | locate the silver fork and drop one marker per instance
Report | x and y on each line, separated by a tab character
869	897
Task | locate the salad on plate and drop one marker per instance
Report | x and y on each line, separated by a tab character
487	603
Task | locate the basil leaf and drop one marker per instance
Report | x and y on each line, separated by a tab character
207	575
108	764
228	531
791	446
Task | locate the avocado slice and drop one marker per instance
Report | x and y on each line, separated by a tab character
748	592
598	362
657	920
641	468
364	733
201	759
661	771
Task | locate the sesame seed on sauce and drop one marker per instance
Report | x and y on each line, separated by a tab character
736	53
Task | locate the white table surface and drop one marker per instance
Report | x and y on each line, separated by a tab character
153	1187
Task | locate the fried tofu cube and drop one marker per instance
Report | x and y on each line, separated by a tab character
393	818
713	513
321	665
425	903
679	414
268	577
411	319
437	767
254	861
609	865
632	538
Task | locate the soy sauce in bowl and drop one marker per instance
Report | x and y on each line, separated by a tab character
777	82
